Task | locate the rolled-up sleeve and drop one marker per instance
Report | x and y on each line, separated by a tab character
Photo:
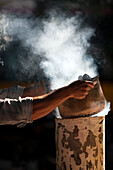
12	93
16	111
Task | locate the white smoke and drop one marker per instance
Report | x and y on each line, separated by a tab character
65	46
20	35
60	42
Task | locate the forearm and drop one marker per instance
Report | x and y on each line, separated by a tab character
45	104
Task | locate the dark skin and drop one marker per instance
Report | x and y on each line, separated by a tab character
43	105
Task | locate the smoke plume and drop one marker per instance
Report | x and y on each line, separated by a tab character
55	48
64	44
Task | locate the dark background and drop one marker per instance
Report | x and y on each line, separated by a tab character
33	147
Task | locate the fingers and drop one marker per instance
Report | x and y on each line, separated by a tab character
85	88
89	84
84	92
80	89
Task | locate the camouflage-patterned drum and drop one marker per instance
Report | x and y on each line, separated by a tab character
80	143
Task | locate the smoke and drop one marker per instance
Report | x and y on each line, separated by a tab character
19	35
65	43
53	48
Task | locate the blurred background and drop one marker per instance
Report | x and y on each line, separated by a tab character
33	147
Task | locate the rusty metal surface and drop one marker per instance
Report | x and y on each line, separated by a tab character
80	143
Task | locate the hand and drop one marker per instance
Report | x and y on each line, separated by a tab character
79	89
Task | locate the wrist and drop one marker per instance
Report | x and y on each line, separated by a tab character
68	91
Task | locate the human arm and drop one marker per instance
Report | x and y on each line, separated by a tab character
42	105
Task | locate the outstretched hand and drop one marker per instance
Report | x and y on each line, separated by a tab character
79	89
42	105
